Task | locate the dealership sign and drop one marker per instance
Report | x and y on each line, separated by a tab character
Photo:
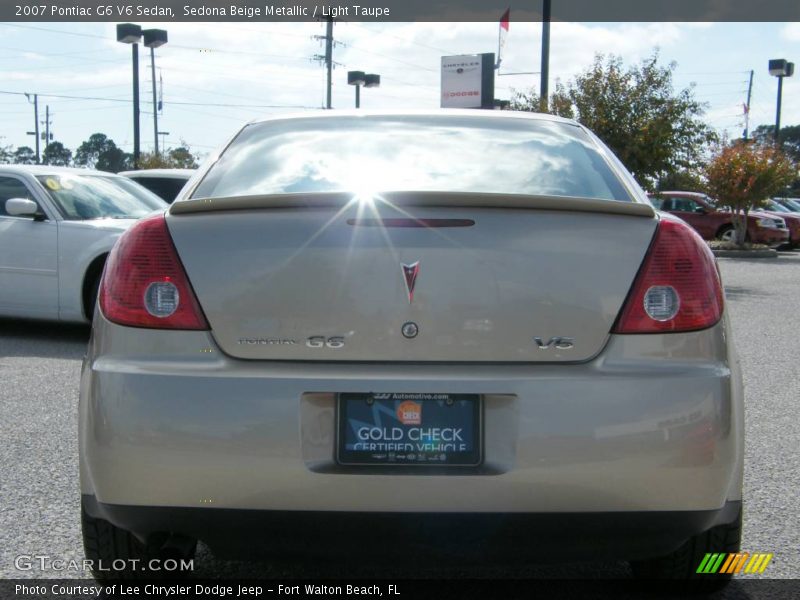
468	81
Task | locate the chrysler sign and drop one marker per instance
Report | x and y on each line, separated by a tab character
468	81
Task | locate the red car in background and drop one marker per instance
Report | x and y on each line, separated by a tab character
792	218
699	211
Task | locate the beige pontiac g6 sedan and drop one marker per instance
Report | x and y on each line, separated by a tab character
448	331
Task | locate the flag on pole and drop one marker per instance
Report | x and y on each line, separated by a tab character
502	34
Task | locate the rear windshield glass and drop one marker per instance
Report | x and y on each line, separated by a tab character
166	188
409	153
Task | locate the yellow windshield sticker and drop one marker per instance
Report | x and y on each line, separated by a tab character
52	184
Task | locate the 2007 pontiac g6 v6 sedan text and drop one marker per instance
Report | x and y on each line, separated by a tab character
383	330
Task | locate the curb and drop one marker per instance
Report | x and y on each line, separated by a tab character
745	253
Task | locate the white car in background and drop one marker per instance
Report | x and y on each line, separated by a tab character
57	226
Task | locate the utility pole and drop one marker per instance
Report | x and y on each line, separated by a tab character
36	116
329	59
747	108
544	92
47	137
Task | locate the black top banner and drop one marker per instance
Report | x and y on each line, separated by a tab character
399	10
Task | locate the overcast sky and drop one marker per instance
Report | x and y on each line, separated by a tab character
207	68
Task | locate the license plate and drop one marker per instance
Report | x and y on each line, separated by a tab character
409	429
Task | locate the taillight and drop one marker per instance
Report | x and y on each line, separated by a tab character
144	283
677	288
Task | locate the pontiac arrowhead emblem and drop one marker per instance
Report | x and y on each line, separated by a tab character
410	273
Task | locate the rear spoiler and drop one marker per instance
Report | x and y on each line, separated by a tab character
403	199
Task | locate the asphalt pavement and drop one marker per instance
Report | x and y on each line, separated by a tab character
39	376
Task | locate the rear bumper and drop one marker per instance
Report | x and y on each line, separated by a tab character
459	537
652	425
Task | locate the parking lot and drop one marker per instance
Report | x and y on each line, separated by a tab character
39	375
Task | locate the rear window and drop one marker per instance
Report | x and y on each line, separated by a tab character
167	188
375	154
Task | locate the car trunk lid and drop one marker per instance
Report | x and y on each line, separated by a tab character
482	277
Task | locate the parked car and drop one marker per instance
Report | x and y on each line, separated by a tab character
57	226
711	222
792	204
362	332
165	183
776	209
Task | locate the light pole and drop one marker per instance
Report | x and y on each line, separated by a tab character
163	135
154	38
359	78
128	33
780	68
35	132
544	86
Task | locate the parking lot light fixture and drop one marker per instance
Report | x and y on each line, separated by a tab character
358	79
372	80
129	33
163	135
154	38
780	68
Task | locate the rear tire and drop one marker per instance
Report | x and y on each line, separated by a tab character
682	564
106	545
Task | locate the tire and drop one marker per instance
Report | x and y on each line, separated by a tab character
105	543
728	234
95	291
682	564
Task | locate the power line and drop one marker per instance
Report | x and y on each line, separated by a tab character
712	72
207	114
214	92
175	46
98	87
387	57
75	33
40	53
63	66
385	32
216	104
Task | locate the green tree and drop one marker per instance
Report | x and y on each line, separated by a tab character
183	158
57	154
6	154
688	180
100	152
24	155
655	130
174	158
790	143
790	138
742	176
